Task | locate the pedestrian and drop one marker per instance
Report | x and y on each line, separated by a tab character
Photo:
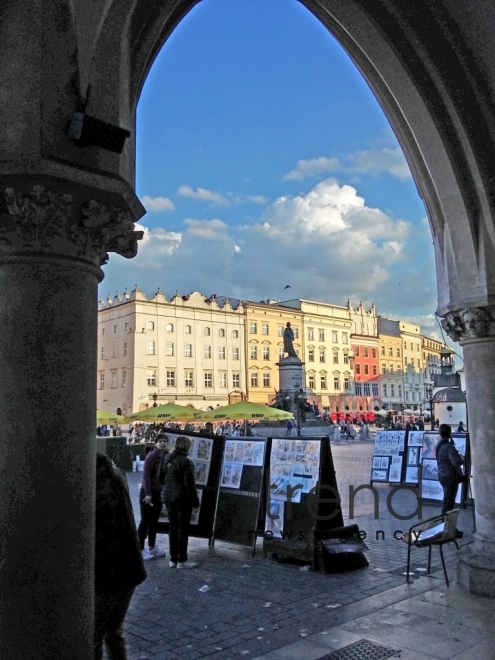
150	500
421	425
289	427
449	463
460	428
350	432
180	497
119	566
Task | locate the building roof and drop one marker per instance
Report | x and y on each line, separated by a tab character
450	395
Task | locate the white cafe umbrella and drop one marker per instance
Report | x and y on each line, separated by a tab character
382	413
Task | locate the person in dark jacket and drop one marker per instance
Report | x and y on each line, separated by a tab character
119	566
150	499
449	463
180	497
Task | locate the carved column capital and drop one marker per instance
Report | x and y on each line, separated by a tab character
472	323
43	222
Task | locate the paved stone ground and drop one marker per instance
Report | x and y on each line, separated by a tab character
256	605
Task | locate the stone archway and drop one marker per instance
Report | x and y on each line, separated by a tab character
63	206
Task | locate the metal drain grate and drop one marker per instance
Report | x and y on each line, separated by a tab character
362	650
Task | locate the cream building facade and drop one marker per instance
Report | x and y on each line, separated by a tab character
265	325
326	345
188	350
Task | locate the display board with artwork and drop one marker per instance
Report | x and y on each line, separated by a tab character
206	455
240	491
303	497
388	457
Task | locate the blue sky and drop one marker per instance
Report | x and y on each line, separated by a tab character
265	160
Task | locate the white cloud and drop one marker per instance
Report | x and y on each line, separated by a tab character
372	161
157	204
257	199
327	243
375	161
204	194
209	229
307	168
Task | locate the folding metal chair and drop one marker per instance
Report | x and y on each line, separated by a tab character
434	531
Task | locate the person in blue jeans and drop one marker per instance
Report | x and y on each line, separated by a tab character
180	497
150	501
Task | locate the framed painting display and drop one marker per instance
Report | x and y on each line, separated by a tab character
388	452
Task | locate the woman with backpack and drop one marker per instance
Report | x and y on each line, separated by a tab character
180	497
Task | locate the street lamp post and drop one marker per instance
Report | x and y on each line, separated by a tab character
299	398
429	392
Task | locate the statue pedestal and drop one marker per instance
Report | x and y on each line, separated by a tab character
291	374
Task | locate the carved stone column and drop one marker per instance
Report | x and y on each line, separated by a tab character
53	239
474	329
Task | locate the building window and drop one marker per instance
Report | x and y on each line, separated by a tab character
382	350
321	335
412	346
346	383
346	357
254	379
322	355
366	370
384	368
188	379
311	354
170	327
392	390
335	357
358	390
102	353
311	334
187	329
419	363
170	378
170	348
280	353
384	387
221	332
208	379
151	348
345	337
264	329
222	379
357	369
266	379
323	382
413	396
280	330
357	352
374	389
399	388
336	383
390	351
366	389
296	333
398	353
253	328
335	337
188	350
235	353
114	329
235	334
236	380
407	395
311	381
151	377
102	381
254	352
103	332
124	377
374	370
365	351
266	352
207	331
207	352
149	325
373	353
114	351
124	350
221	352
